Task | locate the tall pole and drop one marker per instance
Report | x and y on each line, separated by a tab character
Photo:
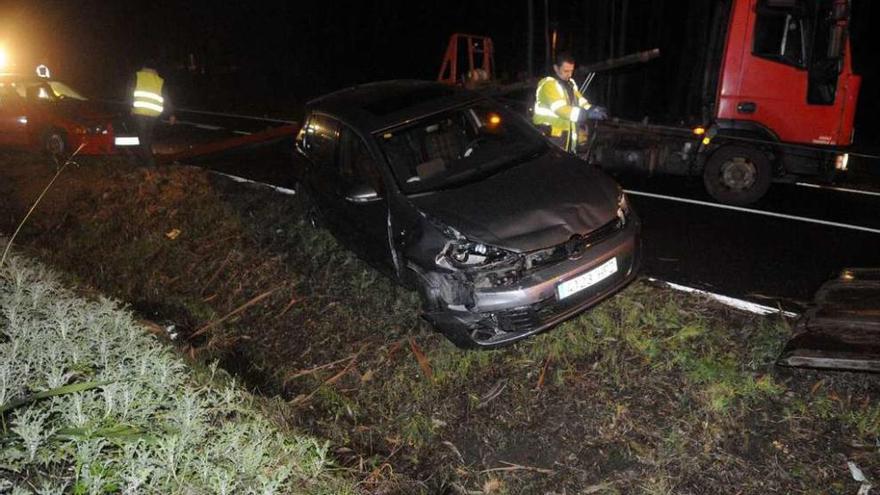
530	42
621	45
548	63
609	90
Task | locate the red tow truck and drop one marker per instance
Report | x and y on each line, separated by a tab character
778	103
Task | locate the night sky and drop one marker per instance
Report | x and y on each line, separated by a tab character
271	56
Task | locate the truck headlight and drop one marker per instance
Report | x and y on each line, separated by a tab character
841	162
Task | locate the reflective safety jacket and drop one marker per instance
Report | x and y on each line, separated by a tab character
555	108
148	99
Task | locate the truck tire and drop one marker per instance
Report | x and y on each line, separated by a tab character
54	142
737	175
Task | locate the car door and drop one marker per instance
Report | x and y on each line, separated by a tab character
346	187
13	118
361	196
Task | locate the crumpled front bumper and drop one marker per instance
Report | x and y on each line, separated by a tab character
506	314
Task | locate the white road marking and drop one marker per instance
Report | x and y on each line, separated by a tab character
282	190
840	189
243	133
733	302
756	212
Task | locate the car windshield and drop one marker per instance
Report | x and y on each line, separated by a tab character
46	90
459	146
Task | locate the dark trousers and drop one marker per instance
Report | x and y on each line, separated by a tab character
144	126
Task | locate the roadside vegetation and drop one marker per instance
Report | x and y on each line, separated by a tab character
651	392
91	403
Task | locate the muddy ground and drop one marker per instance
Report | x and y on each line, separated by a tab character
651	392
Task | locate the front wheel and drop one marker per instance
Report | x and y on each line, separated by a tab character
54	142
310	209
737	175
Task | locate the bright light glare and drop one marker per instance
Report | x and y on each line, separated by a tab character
4	59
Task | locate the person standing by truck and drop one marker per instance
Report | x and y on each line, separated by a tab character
148	104
560	107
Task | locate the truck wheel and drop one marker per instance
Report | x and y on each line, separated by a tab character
737	175
54	142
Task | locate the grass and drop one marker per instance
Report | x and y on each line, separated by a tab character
91	403
650	392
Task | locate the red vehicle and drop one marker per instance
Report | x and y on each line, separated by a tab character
43	114
778	103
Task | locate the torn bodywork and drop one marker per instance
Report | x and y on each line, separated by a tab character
485	296
842	330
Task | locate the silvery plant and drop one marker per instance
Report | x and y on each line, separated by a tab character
91	403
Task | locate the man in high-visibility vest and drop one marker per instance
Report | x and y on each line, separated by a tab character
148	103
560	107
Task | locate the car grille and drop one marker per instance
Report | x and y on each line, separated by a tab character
565	250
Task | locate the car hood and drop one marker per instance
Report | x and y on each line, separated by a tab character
533	205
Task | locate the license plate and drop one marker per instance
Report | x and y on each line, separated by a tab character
584	280
127	141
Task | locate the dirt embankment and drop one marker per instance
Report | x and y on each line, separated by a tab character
651	392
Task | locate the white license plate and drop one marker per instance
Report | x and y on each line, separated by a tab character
585	280
127	141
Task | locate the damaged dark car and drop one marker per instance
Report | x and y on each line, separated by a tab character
454	195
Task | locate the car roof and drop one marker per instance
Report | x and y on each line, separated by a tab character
377	106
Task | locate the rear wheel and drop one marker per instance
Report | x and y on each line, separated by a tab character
737	175
54	142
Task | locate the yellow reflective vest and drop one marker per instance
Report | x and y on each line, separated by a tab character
147	95
553	109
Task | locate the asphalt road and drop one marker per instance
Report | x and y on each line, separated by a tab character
744	254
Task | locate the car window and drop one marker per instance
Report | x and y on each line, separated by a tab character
355	162
322	135
62	90
457	146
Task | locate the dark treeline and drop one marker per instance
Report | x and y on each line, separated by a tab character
272	55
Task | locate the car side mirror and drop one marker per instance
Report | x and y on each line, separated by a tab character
299	143
362	193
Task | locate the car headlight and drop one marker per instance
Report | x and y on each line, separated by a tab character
461	253
622	207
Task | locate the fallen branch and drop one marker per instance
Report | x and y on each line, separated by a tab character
234	312
422	359
293	300
39	198
518	467
215	274
543	374
314	369
330	381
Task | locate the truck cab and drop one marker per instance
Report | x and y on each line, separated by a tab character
787	69
777	103
784	76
